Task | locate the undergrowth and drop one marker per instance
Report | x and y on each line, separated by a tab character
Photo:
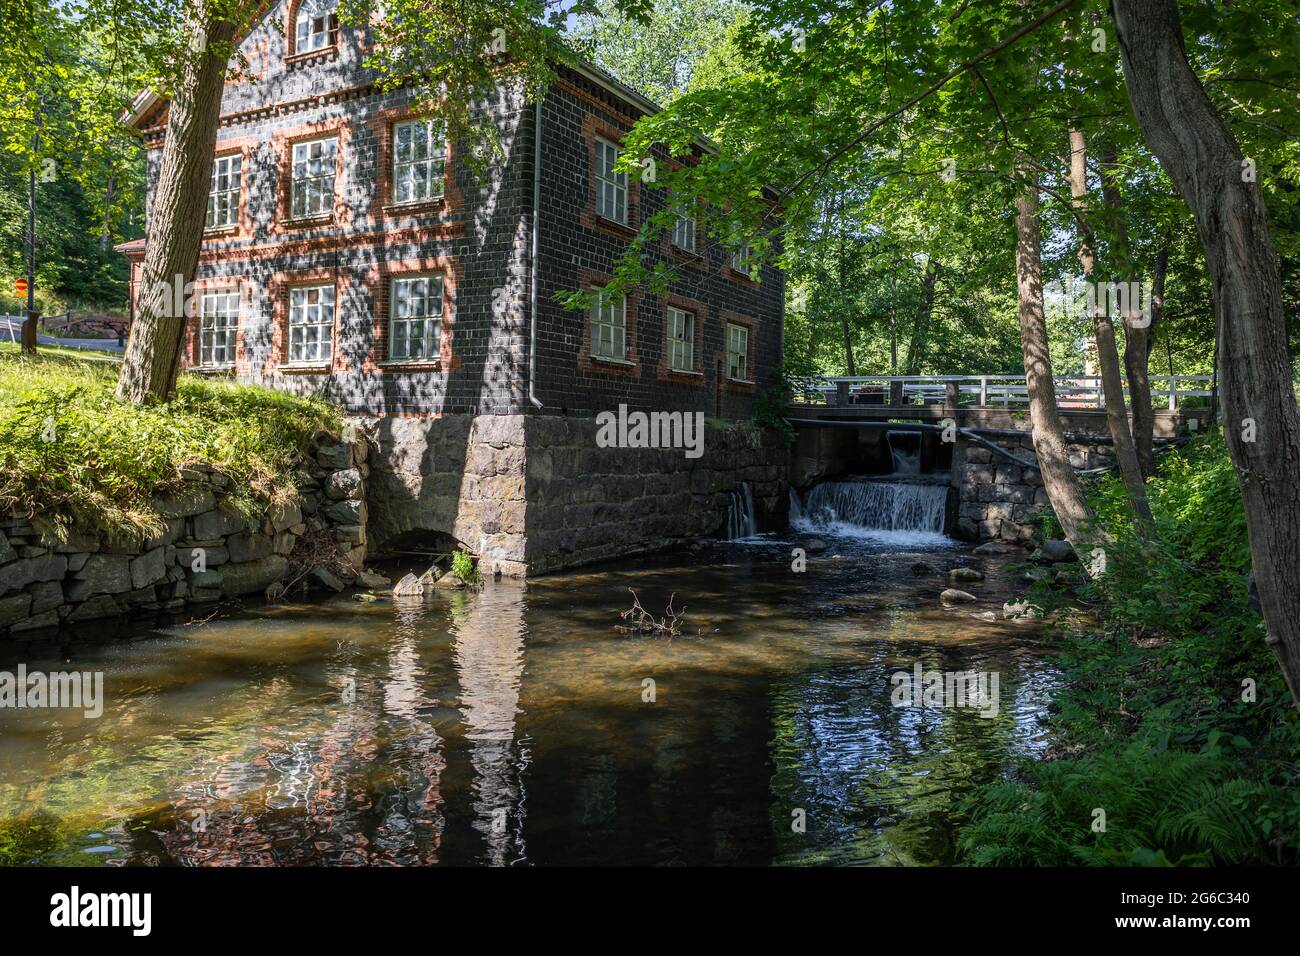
1174	722
71	453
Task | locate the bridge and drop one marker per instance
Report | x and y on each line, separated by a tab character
897	426
1179	402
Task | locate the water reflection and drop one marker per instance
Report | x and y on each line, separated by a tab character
489	660
512	726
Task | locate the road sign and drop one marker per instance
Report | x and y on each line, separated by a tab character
21	286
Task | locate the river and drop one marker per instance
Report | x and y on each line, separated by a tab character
515	726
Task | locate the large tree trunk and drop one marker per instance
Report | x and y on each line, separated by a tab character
1112	383
1196	148
180	205
1062	484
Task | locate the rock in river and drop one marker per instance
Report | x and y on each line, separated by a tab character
953	596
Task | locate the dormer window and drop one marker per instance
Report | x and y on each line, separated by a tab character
317	26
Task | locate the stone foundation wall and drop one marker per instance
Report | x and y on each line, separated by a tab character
588	504
49	580
531	494
996	496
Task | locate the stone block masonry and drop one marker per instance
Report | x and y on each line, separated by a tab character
532	494
208	551
997	498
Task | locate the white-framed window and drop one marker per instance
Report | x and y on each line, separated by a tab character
317	25
414	318
608	325
681	340
218	323
737	352
223	195
311	323
314	166
684	227
611	187
742	261
419	157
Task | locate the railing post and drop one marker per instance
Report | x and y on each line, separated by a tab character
984	389
951	396
895	393
841	393
1173	394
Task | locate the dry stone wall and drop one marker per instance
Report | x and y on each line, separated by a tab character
207	553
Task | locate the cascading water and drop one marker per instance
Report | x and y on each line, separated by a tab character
904	511
740	514
905	451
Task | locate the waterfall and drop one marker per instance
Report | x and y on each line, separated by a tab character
912	509
740	514
905	450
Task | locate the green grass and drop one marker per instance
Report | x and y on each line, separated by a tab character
70	452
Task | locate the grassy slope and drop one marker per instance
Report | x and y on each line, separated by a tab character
106	460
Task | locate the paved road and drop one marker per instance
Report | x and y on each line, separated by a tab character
11	330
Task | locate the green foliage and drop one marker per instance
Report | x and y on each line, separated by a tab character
1161	807
464	566
1189	731
771	403
70	451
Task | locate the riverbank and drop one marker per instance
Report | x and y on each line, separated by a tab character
109	509
1175	740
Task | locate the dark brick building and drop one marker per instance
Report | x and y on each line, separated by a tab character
305	207
350	254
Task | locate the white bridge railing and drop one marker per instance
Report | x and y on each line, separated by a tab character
1072	391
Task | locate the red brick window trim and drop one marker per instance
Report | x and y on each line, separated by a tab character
697	315
330	19
284	143
384	124
201	293
381	282
595	131
282	288
627	364
748	381
731	272
242	227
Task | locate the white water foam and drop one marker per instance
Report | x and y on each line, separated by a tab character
897	513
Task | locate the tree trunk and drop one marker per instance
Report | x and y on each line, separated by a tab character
1062	484
1198	151
1137	332
1112	384
844	312
921	327
153	351
1137	363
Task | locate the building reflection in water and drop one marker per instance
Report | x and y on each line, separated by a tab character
488	654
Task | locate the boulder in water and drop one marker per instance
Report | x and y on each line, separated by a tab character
371	579
965	574
814	545
409	586
997	547
954	596
1054	552
987	616
921	568
1037	574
